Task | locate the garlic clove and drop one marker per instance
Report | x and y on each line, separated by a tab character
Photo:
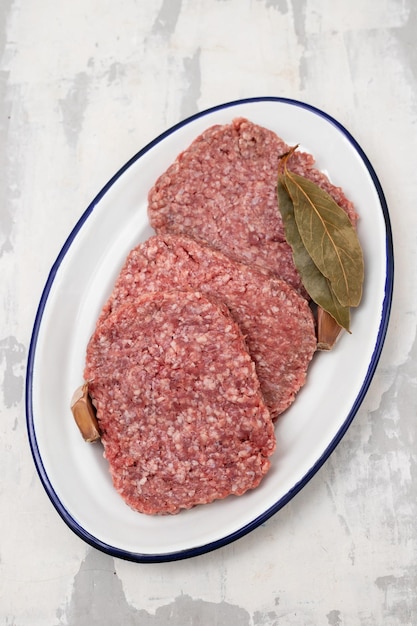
328	330
85	414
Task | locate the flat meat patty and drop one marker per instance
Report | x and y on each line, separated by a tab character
178	402
276	321
223	190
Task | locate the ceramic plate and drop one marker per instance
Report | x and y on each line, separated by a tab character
74	473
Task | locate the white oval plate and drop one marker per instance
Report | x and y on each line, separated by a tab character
74	473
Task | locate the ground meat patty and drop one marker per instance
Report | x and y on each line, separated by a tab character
222	190
183	421
276	321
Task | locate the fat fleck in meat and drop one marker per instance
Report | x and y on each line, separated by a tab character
275	319
222	190
178	402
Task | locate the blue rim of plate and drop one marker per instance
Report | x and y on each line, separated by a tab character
386	309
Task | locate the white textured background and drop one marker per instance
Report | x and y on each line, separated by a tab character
84	84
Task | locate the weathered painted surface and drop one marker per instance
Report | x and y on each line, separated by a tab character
83	85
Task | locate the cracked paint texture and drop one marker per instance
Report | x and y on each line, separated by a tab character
83	86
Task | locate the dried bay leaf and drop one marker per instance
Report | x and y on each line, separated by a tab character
315	283
328	236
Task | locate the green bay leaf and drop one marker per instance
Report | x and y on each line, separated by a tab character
328	236
315	283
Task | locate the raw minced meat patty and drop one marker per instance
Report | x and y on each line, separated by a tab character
276	321
223	190
178	402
